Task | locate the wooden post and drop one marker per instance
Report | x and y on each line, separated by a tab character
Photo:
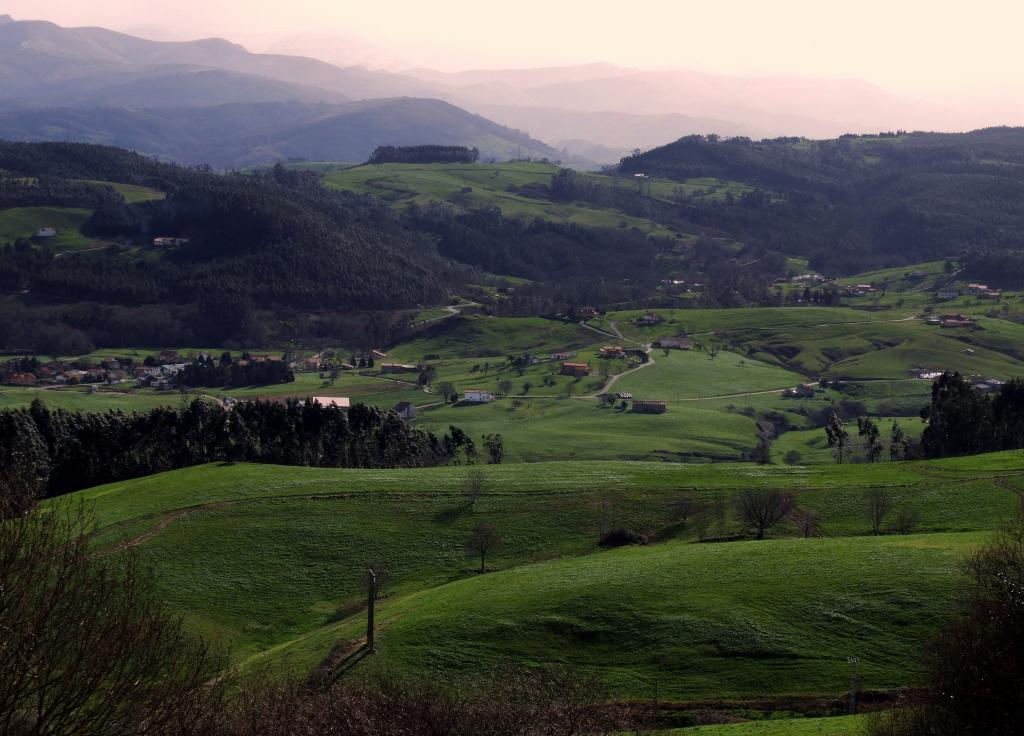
371	599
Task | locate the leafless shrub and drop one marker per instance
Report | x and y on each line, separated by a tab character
86	647
877	505
907	521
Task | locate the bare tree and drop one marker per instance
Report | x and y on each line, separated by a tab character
907	520
86	646
763	509
806	521
483	540
474	485
682	509
877	505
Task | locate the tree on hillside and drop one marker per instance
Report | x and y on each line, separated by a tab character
504	386
877	505
869	432
760	510
495	447
447	390
897	443
483	540
838	438
474	485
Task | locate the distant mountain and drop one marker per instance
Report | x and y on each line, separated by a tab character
726	105
605	137
42	63
237	135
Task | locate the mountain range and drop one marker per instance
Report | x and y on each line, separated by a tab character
97	84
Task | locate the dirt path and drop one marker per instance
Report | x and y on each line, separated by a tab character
612	380
166	519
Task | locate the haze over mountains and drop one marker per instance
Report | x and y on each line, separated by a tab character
213	101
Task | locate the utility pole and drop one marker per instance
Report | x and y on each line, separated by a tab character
371	599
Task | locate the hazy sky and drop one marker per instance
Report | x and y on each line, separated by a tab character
922	46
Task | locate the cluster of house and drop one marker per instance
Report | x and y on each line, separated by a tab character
858	290
57	372
986	385
951	320
981	291
165	242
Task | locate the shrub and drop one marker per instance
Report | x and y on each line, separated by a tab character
621	538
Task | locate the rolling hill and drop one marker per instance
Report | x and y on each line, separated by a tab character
736	619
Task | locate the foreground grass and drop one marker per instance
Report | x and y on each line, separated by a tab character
734	620
837	726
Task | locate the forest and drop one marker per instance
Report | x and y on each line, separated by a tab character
58	452
424	155
855	203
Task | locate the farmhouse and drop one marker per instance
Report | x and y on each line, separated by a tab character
21	379
575	369
378	355
335	402
405	409
612	351
46	232
561	356
477	396
650	407
650	319
585	313
957	320
946	295
397	368
164	242
311	364
802	391
679	342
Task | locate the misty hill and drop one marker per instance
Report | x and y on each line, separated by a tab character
244	134
42	63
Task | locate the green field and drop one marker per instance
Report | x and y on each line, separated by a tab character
483	185
133	193
837	726
685	375
24	222
268	560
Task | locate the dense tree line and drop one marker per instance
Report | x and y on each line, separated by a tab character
235	374
997	268
965	421
424	155
65	451
53	192
539	250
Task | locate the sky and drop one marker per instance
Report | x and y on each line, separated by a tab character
923	47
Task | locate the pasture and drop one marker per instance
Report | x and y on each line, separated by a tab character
268	561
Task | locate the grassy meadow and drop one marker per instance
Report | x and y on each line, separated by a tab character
269	560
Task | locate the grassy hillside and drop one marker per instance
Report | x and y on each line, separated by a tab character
269	560
838	726
24	222
483	185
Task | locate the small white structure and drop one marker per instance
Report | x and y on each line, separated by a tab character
336	402
46	232
477	396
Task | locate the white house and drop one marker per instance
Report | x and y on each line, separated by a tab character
46	232
477	396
